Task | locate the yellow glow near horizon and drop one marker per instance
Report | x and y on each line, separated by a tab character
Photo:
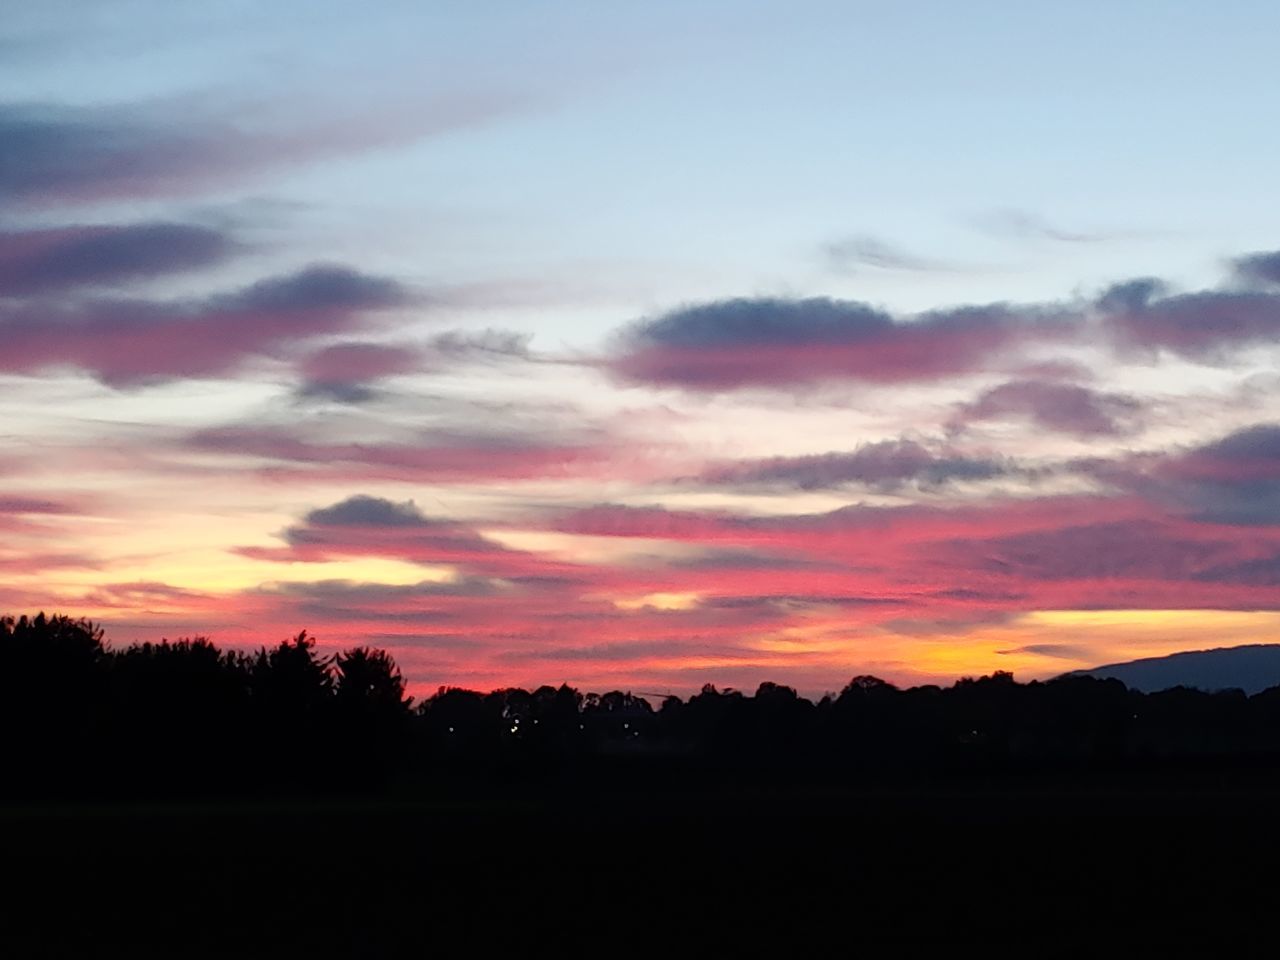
1035	645
1048	642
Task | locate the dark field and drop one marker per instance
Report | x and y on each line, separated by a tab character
178	801
651	869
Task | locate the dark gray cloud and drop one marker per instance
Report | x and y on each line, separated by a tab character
732	558
54	260
1258	572
782	343
322	287
58	154
1204	326
1256	447
1258	268
1235	480
765	322
774	342
1062	407
350	394
365	511
887	465
336	601
63	153
1117	550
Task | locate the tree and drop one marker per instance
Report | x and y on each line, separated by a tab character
369	681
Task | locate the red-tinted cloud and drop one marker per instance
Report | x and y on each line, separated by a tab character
1203	326
1063	407
131	342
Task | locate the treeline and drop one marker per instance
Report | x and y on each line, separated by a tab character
81	718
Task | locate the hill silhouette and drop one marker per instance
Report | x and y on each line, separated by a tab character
1251	668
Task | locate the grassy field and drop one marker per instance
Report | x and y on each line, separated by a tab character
645	868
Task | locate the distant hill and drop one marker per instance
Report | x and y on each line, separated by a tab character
1250	668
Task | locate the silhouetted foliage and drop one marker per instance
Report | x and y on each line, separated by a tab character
184	716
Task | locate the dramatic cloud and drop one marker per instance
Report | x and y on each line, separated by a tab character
731	344
1234	480
1131	549
54	260
131	342
63	153
365	511
330	601
1259	268
364	526
798	343
1203	326
887	465
371	526
1064	407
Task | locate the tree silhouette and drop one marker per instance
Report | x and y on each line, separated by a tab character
371	714
84	719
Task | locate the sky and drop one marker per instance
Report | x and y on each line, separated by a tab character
644	346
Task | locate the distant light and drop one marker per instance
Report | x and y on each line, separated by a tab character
626	726
451	729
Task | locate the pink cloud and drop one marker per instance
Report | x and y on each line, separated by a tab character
129	342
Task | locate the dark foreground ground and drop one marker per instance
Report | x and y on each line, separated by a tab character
633	868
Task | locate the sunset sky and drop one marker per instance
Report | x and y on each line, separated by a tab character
643	346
